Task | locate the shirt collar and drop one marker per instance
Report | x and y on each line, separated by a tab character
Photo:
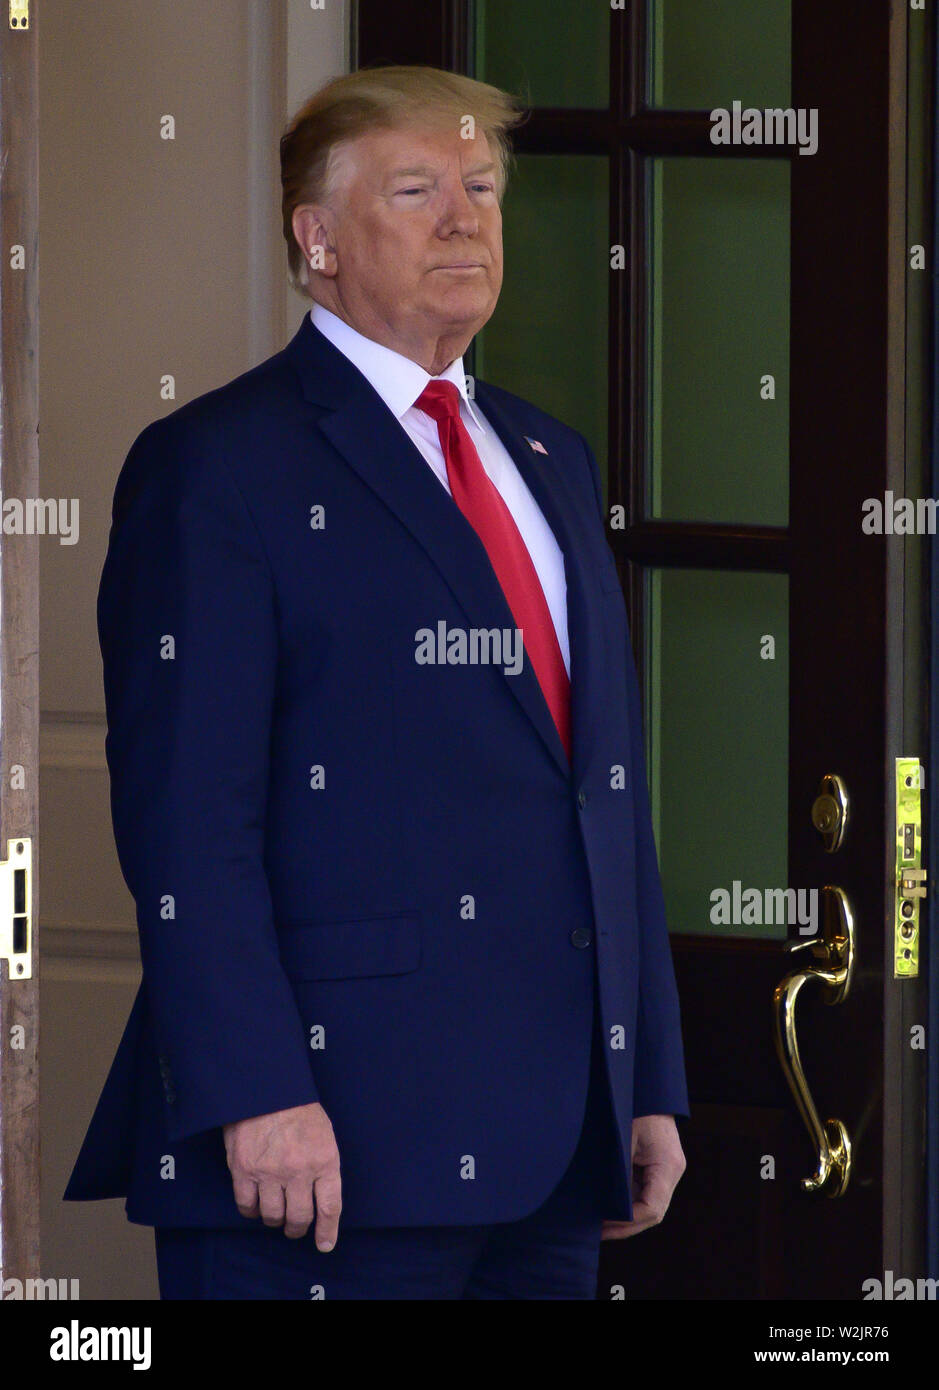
397	379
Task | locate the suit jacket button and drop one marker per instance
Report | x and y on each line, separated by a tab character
581	938
581	799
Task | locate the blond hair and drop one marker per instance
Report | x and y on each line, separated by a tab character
386	98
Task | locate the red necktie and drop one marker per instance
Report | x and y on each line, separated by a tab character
480	502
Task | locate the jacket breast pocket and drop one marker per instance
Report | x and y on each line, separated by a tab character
352	948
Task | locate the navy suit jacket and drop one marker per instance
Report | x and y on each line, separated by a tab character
360	879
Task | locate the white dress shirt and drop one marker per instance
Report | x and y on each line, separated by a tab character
399	381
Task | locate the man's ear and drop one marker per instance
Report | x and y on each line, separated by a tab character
312	227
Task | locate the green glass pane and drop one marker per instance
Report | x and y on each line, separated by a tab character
717	717
717	403
708	53
547	340
548	52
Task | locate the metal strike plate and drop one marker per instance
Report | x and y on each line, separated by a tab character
19	14
910	884
16	903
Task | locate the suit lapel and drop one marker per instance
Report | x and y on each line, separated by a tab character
359	425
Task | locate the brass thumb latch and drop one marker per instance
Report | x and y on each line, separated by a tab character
831	964
831	812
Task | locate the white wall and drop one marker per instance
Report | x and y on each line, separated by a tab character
156	257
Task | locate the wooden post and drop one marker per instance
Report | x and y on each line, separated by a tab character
19	622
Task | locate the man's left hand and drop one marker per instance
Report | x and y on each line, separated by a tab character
658	1163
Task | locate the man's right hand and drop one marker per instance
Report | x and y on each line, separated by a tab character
278	1164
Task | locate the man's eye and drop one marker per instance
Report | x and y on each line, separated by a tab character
412	190
481	187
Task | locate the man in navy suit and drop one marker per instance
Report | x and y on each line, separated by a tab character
377	779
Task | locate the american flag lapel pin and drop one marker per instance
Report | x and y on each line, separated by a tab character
536	445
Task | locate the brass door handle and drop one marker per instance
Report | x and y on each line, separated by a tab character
831	963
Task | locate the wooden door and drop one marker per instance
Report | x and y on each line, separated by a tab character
727	324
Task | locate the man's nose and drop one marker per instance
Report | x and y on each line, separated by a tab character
459	215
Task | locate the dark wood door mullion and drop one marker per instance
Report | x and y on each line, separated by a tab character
564	130
654	133
620	362
700	546
657	131
633	390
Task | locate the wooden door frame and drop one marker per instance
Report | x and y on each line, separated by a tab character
910	463
19	635
932	918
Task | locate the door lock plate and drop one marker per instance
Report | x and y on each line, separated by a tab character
19	14
16	908
910	883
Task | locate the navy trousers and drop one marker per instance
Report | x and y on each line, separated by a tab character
551	1254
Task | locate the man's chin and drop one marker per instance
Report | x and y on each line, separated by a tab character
457	315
